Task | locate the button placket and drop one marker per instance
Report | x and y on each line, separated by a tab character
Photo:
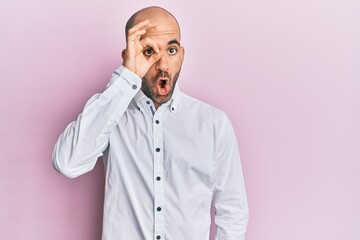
158	175
148	107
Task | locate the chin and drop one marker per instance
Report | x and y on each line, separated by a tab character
162	99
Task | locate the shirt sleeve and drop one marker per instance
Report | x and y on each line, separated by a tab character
229	196
85	139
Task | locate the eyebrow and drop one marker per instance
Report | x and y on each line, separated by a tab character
174	42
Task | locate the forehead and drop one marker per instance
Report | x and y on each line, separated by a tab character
162	32
163	27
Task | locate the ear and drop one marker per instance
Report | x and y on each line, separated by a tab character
123	54
182	54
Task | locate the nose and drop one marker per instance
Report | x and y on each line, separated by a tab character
162	64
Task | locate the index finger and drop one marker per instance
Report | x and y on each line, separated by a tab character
143	25
155	57
147	42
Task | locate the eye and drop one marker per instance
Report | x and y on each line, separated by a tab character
148	52
172	51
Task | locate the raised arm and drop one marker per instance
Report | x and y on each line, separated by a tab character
85	139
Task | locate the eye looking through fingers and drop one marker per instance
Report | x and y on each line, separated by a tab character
148	52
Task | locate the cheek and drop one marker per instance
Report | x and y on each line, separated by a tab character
176	65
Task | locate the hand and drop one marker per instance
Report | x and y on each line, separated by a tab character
133	56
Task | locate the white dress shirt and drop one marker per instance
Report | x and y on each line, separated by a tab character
163	167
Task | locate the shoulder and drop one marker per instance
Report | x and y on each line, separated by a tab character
196	108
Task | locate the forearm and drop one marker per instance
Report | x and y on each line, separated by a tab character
231	217
232	213
84	140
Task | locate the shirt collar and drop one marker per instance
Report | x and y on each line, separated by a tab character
172	104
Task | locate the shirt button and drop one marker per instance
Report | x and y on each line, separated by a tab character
157	149
158	209
148	102
158	178
172	108
134	86
157	121
158	237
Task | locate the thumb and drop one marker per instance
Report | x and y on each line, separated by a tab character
156	57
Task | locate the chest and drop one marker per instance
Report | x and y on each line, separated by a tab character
182	145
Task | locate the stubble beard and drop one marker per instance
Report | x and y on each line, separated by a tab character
150	91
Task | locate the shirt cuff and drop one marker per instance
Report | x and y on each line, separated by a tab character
131	78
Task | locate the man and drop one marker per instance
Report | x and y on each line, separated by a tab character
167	156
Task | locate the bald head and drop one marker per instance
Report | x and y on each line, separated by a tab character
156	15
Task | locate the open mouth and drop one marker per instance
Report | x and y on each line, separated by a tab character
162	83
163	86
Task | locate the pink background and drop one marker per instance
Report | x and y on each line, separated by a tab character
286	72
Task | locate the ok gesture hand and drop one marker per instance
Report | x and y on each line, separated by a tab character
133	56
